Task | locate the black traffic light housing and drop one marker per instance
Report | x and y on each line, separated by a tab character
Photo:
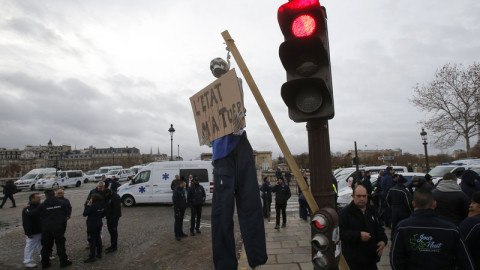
325	239
308	91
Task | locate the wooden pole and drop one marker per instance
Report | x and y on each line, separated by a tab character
271	122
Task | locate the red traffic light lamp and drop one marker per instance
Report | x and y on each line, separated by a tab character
305	56
325	239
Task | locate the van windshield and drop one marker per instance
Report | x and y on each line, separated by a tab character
440	171
29	176
103	171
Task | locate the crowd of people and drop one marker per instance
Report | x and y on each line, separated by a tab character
45	223
432	226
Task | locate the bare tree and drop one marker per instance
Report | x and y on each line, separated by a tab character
453	105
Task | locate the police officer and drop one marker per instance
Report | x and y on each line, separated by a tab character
53	216
282	195
115	184
196	198
266	190
179	206
113	212
399	201
94	211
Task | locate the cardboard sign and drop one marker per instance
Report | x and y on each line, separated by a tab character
218	108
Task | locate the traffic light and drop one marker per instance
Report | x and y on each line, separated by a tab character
305	56
325	239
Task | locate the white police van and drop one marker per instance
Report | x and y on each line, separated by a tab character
29	180
63	179
103	170
152	183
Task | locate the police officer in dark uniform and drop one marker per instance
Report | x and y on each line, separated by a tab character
53	215
179	206
399	200
113	212
94	211
196	198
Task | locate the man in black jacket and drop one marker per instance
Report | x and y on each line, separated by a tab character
33	231
196	198
266	190
53	215
363	239
94	211
8	190
283	193
399	201
425	241
470	229
179	206
115	184
113	212
452	203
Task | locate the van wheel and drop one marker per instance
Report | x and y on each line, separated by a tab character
55	186
78	183
128	201
32	188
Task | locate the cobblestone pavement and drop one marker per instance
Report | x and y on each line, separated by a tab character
146	239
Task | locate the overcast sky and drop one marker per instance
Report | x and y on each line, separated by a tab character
118	73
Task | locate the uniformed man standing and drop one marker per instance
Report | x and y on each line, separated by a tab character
196	198
53	216
113	212
179	206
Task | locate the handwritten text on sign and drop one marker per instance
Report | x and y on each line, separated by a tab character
217	107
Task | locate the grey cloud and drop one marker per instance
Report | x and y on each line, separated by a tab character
33	29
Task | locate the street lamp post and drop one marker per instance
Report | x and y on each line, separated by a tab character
171	130
423	134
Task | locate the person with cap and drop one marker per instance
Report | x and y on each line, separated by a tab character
283	193
452	203
399	201
196	198
179	206
425	241
418	182
470	229
469	182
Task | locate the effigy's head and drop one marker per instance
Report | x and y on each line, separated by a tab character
218	66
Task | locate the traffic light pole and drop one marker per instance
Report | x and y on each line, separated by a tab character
320	163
